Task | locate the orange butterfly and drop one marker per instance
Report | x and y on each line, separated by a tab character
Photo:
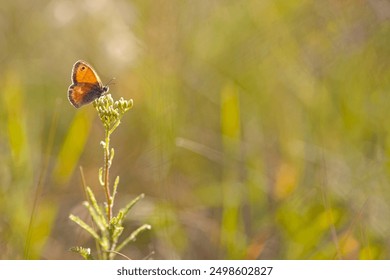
86	85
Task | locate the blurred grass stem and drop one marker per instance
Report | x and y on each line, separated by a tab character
42	176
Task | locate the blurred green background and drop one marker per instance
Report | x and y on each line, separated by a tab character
260	128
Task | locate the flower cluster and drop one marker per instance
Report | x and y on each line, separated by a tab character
111	112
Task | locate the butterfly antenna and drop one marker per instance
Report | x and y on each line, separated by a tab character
110	82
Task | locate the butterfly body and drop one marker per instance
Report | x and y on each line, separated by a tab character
86	85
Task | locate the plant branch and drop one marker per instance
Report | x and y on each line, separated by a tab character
106	169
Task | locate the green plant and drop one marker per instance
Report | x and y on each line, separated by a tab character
107	228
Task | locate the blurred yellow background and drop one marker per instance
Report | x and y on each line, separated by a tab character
260	129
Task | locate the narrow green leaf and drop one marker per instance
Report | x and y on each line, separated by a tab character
127	208
95	217
112	153
101	181
95	205
115	187
133	236
85	226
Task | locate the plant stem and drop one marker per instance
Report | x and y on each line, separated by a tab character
106	174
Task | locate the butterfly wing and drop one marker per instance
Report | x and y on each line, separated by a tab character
84	73
84	93
86	85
